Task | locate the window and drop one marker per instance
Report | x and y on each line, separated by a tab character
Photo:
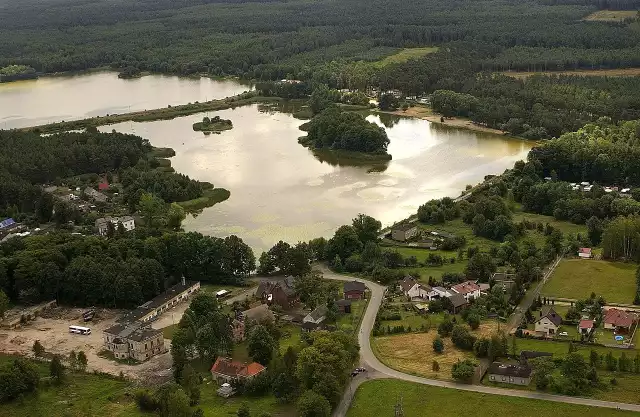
152	344
504	378
145	346
493	378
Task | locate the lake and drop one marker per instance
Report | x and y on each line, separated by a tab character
53	99
281	191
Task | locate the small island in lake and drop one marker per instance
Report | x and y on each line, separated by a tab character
17	72
214	124
345	132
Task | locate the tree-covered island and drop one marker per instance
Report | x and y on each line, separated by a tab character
17	72
214	124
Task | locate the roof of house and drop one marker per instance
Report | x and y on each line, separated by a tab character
586	324
552	316
484	287
532	354
259	313
520	371
133	331
7	223
618	318
318	313
426	288
466	287
458	300
585	250
159	300
403	227
407	283
267	287
231	368
354	286
440	289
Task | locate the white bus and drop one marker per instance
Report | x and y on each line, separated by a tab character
79	330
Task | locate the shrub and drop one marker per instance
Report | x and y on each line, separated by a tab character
146	401
435	366
461	337
438	345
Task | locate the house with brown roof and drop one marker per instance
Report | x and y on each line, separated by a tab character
227	370
354	290
548	323
618	320
282	293
458	302
468	289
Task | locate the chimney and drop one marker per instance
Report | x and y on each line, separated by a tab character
182	281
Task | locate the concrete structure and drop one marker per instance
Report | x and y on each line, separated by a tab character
548	323
468	289
102	224
133	336
354	290
225	370
509	374
403	232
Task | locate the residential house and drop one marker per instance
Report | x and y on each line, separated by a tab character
404	231
584	253
417	291
94	195
586	327
548	323
282	293
344	306
354	290
510	374
468	289
458	302
225	370
102	224
315	319
259	314
619	321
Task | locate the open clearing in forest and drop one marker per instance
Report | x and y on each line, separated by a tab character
611	15
413	352
616	72
578	278
379	397
407	54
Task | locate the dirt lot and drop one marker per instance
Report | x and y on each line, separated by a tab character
53	332
413	352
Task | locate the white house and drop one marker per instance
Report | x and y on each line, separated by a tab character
548	323
585	253
102	224
415	290
468	289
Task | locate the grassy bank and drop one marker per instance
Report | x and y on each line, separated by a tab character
167	113
209	198
379	397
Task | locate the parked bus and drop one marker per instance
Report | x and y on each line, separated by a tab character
79	330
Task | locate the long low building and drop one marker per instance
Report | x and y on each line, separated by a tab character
133	337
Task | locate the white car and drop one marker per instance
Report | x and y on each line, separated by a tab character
563	334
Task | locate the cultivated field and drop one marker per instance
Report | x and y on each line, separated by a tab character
413	352
578	278
612	15
618	72
379	397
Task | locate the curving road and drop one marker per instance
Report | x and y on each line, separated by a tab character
377	369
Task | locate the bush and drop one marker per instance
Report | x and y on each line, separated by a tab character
438	345
481	347
146	401
445	328
461	337
435	366
260	385
463	370
473	320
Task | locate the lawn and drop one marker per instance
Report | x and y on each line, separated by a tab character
349	323
406	54
578	278
379	397
612	15
564	227
560	349
413	352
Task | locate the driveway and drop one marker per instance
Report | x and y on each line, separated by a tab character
377	369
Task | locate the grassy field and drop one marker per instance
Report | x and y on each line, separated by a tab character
413	352
577	278
379	397
612	15
564	227
349	322
407	54
89	395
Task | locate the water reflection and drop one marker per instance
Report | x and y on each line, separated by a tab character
280	190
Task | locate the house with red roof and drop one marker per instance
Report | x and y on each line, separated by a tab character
585	327
104	184
585	253
228	370
467	289
618	320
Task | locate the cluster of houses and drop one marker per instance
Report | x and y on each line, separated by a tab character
102	224
410	232
614	319
460	295
586	186
133	337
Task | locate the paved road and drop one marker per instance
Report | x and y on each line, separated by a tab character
378	370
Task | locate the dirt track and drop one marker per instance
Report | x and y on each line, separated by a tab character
53	333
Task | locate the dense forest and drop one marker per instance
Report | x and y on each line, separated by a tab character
118	272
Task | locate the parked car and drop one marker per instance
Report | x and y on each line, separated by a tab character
563	334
